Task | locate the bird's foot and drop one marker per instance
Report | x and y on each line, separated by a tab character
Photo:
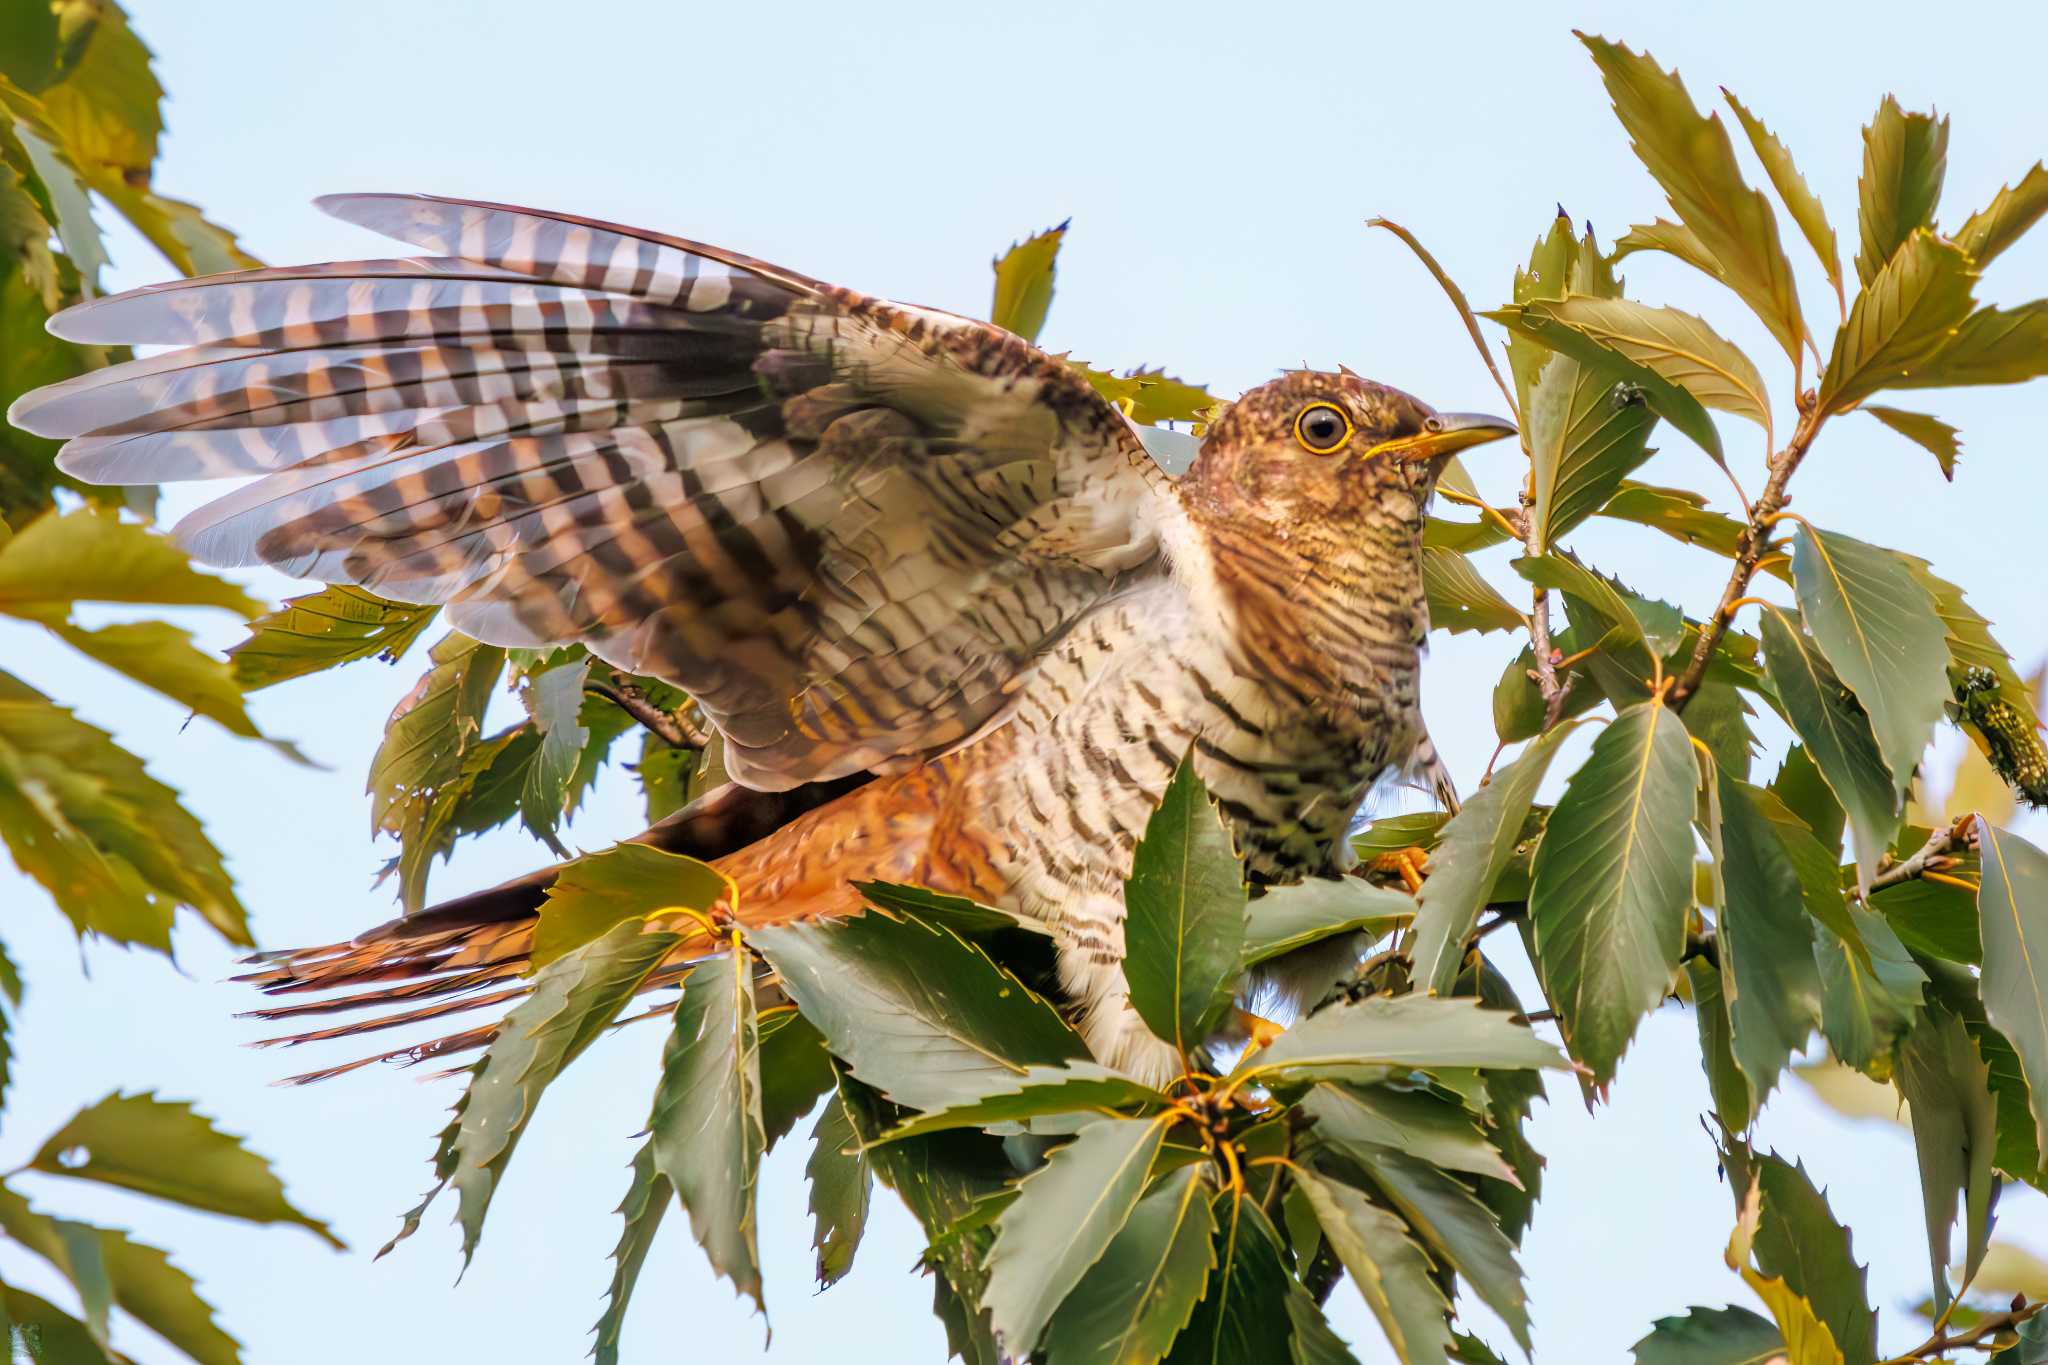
1410	864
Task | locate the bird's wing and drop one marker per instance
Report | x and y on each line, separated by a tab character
847	527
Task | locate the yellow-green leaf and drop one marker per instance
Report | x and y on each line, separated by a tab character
2006	219
1677	345
2012	913
1905	157
600	891
1931	434
87	556
337	625
1460	599
1024	279
1800	200
1691	157
1673	239
1900	322
1991	346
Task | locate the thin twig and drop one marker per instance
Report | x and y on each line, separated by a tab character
672	729
1749	550
1988	1327
1931	856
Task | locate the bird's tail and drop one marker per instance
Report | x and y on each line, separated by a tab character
472	953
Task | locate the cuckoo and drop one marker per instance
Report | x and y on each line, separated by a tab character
955	624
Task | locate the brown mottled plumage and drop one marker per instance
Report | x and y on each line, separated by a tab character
955	624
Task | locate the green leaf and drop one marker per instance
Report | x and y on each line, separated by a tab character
1462	1231
1314	909
87	556
1315	1341
1150	397
1693	160
1587	432
1024	276
554	701
1991	346
1184	911
1390	1271
795	1070
1460	598
572	1002
1673	239
2006	219
162	658
337	625
706	1126
1411	1121
625	884
164	1149
177	229
1633	622
640	1212
1359	1039
1073	1087
839	1180
1544	325
112	845
1902	323
1137	1298
1243	1312
1065	1216
1677	346
1836	734
1970	642
1868	999
53	1336
1799	1242
913	1009
1904	159
2012	911
1806	796
1711	1336
135	1277
1878	628
1613	881
106	107
2018	1154
1682	515
1765	940
1799	199
1931	434
967	918
1735	1104
1475	848
1955	1136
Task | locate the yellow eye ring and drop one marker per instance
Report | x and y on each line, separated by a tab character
1312	429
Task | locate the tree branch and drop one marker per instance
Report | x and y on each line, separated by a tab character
1931	857
666	726
1991	1326
1540	646
1749	549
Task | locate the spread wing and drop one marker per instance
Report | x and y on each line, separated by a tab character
848	527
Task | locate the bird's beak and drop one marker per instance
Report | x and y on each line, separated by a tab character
1444	434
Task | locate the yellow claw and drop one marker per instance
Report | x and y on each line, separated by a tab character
1409	864
1261	1031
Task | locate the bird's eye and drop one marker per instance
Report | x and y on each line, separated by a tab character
1322	429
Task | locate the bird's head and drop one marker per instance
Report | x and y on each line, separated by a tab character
1327	449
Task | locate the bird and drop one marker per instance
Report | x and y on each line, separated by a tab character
956	626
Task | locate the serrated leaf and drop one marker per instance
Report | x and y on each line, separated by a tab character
1462	1232
2012	910
1542	324
1799	199
1836	734
1691	157
913	1009
166	1150
1989	346
1184	911
1636	626
1903	321
1075	1086
1389	1270
1359	1038
1683	516
627	883
1931	434
1798	1241
1677	346
1711	1336
706	1125
1024	279
133	1276
1904	159
1735	1104
572	1002
186	237
1460	598
41	1326
1970	641
1064	1218
1475	848
1410	1121
111	844
1612	882
1136	1299
337	625
87	556
1869	998
795	1070
2006	219
640	1212
2018	1153
1766	943
1242	1314
1878	629
431	730
1315	909
1955	1138
967	918
554	702
839	1180
1673	239
1315	1341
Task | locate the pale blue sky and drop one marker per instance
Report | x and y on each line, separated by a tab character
1218	163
